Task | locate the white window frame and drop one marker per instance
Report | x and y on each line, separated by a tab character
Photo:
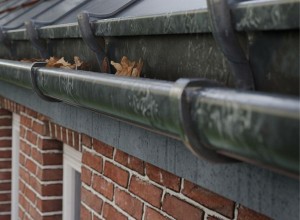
71	166
15	166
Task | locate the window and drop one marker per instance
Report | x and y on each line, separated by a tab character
71	183
15	166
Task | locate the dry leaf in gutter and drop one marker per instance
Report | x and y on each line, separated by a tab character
61	63
51	61
127	67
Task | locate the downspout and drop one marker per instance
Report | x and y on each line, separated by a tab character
212	121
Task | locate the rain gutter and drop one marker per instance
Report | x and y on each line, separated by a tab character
214	122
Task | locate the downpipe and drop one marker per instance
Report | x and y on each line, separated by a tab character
214	122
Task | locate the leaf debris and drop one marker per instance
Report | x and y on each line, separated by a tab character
127	67
61	63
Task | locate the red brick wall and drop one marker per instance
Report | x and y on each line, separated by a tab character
40	182
5	163
115	185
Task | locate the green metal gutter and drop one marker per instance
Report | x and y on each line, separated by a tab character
212	121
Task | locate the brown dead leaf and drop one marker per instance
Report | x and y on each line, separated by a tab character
51	61
61	63
127	67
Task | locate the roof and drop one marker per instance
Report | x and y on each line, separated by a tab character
14	13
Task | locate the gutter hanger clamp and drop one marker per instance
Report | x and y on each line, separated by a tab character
225	36
110	8
40	44
33	75
195	142
7	42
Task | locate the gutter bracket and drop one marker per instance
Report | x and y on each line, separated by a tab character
7	42
109	9
33	75
32	32
226	38
92	42
199	146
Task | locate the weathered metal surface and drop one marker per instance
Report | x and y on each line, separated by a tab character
227	40
273	57
240	124
249	125
256	188
180	44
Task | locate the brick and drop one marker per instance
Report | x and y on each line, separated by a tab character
33	182
5	121
248	214
30	166
5	186
4	112
21	214
49	144
103	148
70	137
95	217
25	121
49	174
92	161
52	217
129	204
34	213
86	140
151	214
129	161
24	147
5	175
146	191
52	130
31	113
58	132
110	213
4	208
102	186
49	205
51	159
5	197
180	209
29	194
64	134
86	175
5	164
5	143
31	137
36	155
91	200
213	218
5	154
163	177
7	132
40	128
117	174
5	217
22	159
23	203
24	175
76	141
23	132
209	199
85	213
51	189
